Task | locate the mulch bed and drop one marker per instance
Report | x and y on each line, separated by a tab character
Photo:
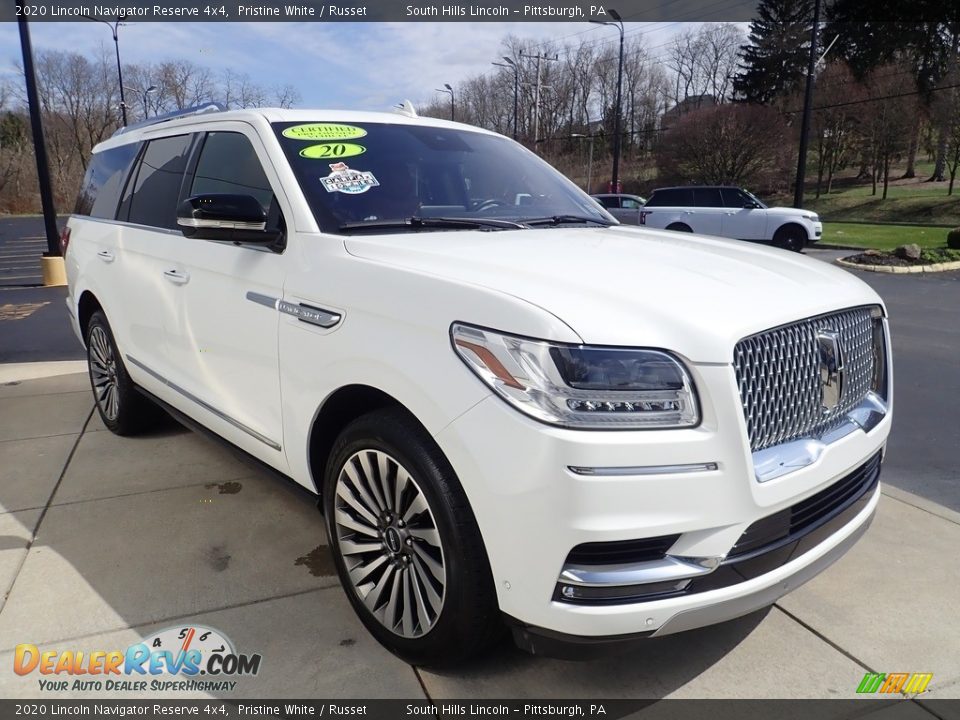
888	259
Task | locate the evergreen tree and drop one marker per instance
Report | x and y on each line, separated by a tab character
774	63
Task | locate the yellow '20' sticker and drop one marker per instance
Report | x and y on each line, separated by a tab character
332	150
324	131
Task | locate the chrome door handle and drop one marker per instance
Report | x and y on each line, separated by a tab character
176	276
106	256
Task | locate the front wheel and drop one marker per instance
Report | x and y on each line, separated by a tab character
791	237
405	543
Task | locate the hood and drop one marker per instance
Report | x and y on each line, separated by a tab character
791	212
625	286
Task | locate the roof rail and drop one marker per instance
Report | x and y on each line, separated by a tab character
176	114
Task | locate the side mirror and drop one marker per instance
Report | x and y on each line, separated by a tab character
751	205
221	216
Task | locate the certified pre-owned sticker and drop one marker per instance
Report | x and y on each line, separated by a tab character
324	131
345	180
332	150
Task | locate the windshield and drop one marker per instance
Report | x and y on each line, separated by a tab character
381	174
753	197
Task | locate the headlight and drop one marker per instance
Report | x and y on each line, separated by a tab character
580	386
879	345
812	218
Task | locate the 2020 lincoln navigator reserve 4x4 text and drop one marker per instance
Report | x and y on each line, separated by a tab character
516	412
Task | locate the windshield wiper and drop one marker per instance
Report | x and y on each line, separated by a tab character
416	223
566	220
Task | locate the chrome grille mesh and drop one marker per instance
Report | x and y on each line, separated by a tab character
778	373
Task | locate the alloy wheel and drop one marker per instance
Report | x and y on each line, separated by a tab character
103	373
388	538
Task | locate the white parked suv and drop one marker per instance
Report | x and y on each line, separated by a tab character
517	413
730	212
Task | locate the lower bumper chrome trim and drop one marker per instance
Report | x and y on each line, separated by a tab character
779	460
643	469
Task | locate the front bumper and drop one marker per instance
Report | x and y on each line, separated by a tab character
534	505
763	593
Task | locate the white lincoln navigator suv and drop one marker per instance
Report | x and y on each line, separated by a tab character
516	412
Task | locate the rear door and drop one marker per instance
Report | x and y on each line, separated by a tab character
629	210
226	338
707	218
149	258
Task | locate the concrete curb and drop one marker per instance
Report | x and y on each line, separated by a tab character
20	372
939	267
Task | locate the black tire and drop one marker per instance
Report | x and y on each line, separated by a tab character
123	410
680	227
790	237
468	620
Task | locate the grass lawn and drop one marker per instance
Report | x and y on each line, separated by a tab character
907	203
883	237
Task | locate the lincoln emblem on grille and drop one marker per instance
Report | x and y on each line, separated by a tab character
831	368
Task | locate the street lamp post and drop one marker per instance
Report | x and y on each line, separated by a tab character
114	27
516	90
143	94
615	183
449	90
591	138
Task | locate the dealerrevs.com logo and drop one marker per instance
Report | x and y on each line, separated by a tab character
192	658
894	683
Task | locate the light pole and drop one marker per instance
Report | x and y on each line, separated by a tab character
807	107
449	90
615	183
143	94
516	90
114	27
591	138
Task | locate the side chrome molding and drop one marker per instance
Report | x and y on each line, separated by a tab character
305	313
206	406
643	469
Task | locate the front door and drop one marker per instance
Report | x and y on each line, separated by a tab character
227	336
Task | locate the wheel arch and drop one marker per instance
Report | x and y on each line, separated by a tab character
791	225
342	406
87	305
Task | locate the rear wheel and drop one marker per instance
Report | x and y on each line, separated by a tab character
791	237
405	543
679	227
123	410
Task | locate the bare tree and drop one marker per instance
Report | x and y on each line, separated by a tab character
727	144
834	122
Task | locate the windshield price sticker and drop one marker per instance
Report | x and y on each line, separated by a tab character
332	150
324	131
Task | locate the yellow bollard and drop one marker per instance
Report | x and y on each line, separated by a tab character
54	271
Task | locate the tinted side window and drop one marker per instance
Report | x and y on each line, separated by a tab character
229	164
708	197
104	180
157	187
674	197
609	202
733	198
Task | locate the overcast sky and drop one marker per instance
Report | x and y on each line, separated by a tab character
369	66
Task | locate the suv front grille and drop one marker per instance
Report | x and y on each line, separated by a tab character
778	373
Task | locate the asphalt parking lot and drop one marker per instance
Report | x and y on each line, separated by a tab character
104	540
